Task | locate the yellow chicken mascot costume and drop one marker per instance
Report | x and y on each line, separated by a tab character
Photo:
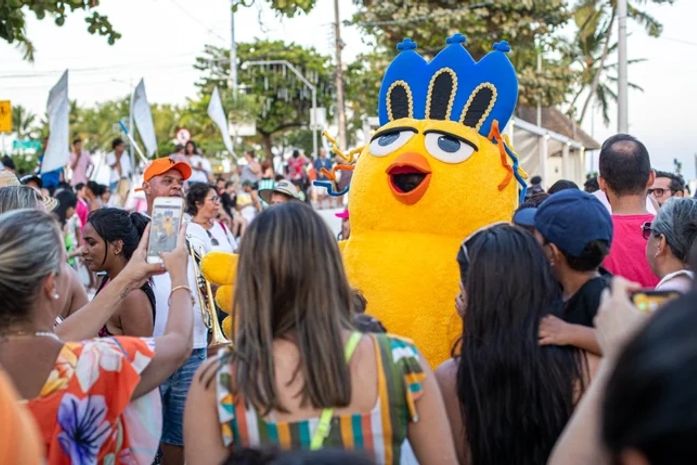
435	171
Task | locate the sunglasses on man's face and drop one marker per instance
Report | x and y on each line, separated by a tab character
659	191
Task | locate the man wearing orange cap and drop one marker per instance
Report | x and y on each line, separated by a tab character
164	177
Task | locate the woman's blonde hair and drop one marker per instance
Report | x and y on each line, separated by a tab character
30	250
291	285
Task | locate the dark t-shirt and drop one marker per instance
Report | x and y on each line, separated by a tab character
320	163
582	307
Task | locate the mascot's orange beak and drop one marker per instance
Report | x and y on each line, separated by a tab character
408	177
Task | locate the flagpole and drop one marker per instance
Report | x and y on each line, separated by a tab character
132	141
130	123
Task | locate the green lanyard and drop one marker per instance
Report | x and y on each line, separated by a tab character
324	425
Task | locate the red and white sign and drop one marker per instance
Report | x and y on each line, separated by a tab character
183	136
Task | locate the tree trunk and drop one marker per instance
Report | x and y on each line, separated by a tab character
601	65
267	143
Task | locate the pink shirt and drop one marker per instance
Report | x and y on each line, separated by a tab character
81	165
82	210
296	166
627	257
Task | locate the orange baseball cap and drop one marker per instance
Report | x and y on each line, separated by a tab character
161	165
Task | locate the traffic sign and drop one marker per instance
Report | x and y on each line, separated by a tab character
5	116
183	136
26	144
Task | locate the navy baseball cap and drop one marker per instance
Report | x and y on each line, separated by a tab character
571	219
525	216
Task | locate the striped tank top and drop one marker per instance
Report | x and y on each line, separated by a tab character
379	433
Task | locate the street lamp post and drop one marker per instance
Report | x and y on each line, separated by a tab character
233	50
313	91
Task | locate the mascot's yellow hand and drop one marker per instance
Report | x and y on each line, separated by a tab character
220	268
227	327
223	297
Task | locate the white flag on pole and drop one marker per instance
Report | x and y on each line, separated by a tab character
57	148
143	119
217	114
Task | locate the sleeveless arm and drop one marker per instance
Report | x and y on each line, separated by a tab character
202	422
425	409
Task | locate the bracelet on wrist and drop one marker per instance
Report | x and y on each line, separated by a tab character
181	287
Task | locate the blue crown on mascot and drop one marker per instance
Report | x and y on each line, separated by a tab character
452	86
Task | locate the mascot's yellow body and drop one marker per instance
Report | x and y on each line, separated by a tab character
401	252
435	171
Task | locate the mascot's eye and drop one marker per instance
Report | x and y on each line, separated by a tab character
390	141
448	148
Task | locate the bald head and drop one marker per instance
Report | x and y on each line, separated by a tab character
625	165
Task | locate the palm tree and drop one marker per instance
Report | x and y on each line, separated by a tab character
595	20
23	121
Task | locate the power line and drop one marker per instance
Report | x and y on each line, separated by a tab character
196	20
680	41
96	69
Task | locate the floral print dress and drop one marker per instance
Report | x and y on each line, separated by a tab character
84	411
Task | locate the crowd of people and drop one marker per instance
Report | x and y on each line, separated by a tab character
103	355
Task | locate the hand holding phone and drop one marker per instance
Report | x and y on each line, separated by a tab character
166	221
649	300
617	319
176	261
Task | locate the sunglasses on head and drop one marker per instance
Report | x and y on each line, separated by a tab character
214	241
646	230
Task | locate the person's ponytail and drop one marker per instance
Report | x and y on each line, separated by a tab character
139	222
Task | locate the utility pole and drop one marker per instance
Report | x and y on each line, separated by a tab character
341	114
233	51
622	105
538	119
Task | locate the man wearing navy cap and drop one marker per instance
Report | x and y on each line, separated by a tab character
576	232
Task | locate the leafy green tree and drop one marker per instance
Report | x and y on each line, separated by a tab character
595	21
97	126
23	122
13	16
287	8
362	80
529	26
280	102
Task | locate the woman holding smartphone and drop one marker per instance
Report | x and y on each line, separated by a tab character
95	401
110	237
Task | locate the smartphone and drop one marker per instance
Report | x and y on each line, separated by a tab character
164	226
648	300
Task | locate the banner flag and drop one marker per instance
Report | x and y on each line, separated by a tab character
143	119
217	114
57	150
